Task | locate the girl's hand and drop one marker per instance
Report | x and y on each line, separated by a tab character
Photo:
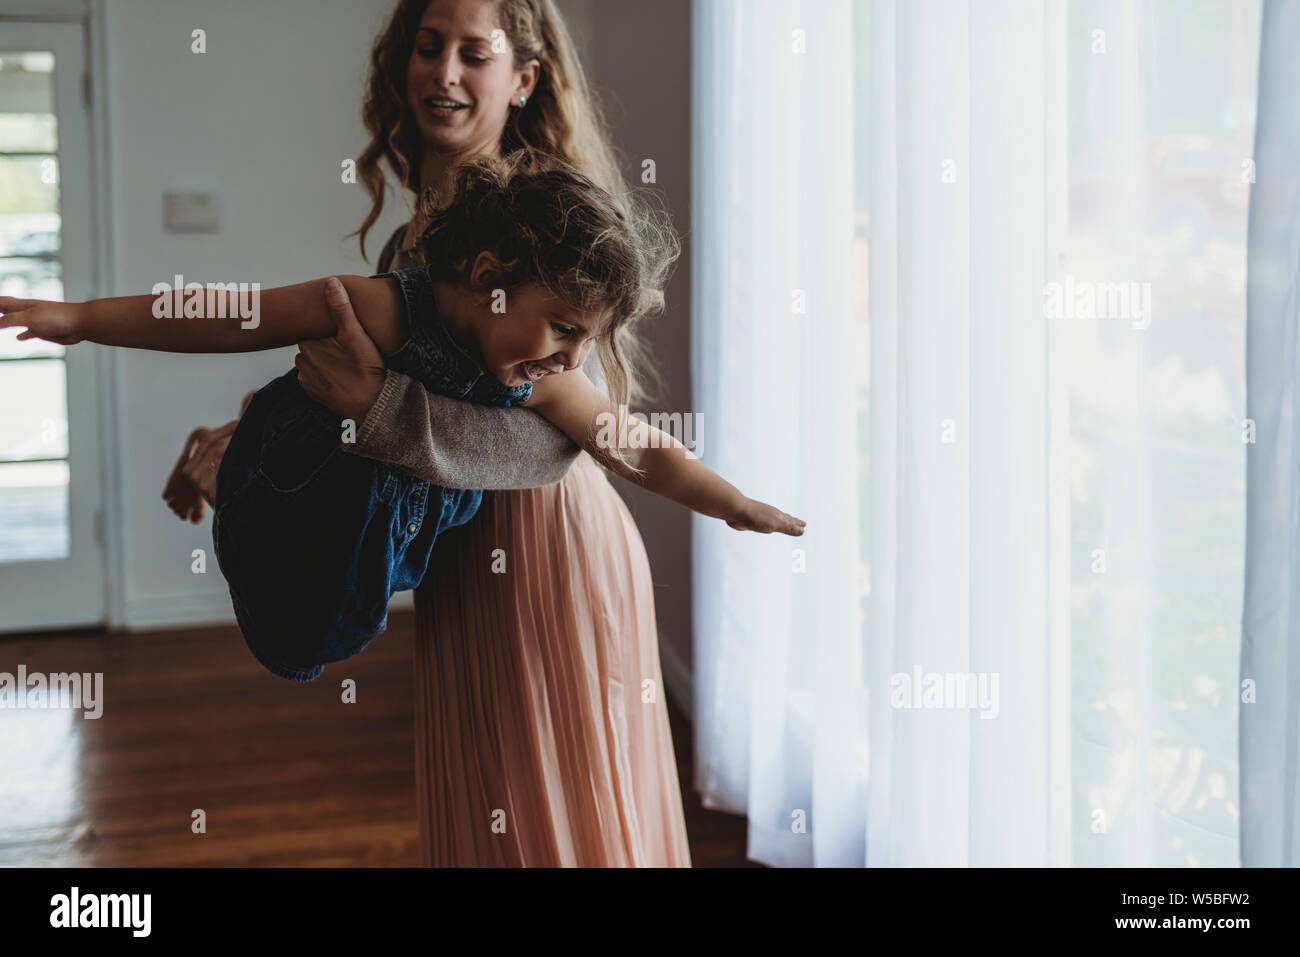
59	322
756	516
344	373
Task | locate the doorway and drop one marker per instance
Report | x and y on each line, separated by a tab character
52	555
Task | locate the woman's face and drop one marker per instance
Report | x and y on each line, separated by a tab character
462	79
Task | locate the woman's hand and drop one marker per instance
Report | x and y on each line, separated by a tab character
756	516
59	322
344	373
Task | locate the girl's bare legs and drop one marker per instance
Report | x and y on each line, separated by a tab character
193	480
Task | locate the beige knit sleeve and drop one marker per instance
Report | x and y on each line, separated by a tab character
459	444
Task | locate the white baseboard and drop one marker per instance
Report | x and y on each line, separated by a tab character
178	609
149	612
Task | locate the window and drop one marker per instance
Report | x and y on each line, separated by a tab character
33	380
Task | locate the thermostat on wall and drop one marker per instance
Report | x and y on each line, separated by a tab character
190	211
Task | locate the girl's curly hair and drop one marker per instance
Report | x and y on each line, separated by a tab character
550	225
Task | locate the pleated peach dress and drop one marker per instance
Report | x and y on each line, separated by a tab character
541	723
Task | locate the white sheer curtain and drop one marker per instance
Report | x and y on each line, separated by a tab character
781	656
1160	116
1270	653
1047	504
780	709
959	541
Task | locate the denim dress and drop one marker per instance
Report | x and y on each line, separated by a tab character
313	541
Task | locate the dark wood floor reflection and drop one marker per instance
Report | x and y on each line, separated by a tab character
284	774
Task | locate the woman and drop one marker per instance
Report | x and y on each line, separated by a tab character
542	732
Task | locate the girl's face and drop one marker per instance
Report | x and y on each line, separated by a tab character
461	79
537	335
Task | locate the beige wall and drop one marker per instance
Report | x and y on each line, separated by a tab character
639	58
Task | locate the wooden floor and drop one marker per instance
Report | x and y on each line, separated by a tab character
284	774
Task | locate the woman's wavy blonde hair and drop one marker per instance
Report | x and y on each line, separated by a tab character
562	120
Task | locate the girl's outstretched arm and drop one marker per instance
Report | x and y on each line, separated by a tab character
219	320
586	415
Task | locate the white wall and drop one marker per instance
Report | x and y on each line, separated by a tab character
266	116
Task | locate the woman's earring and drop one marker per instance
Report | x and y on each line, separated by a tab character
522	101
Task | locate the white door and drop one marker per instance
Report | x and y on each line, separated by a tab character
52	560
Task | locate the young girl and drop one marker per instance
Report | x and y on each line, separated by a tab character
533	265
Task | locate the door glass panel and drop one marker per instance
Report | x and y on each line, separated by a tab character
34	516
34	469
36	427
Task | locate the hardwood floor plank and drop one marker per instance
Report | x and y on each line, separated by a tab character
287	775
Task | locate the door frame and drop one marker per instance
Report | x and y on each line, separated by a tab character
98	277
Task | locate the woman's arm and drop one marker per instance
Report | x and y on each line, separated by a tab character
460	444
572	402
446	441
220	320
